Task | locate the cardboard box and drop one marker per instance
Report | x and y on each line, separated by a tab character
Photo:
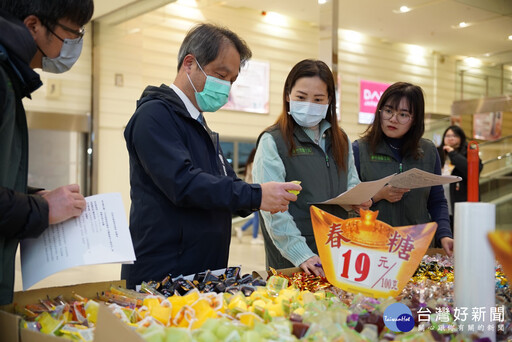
434	251
109	328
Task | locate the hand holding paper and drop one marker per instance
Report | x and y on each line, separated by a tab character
416	178
390	194
361	193
411	179
99	236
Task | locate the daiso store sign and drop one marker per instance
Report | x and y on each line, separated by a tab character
369	96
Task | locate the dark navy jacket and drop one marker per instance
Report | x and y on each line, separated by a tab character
183	191
21	215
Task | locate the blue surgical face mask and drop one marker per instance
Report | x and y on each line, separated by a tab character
307	114
69	53
214	95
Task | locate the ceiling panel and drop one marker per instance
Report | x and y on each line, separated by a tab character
428	24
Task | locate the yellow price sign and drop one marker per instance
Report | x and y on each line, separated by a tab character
501	242
364	255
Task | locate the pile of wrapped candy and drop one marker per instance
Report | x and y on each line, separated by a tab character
231	307
230	281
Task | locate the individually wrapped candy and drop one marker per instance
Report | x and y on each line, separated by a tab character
49	325
276	284
78	331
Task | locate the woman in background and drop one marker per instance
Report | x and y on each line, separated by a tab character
393	143
254	219
305	144
454	161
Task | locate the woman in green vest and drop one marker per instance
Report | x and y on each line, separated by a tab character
304	144
393	143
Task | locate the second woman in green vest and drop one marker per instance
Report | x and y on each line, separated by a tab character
393	143
305	144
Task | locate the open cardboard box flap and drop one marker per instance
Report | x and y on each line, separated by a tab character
109	328
286	271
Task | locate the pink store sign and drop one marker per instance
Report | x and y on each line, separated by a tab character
369	96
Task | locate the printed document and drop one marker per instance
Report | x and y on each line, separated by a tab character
360	193
411	179
99	236
416	178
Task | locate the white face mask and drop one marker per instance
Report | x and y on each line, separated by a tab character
69	53
307	114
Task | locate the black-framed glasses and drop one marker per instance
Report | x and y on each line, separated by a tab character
79	33
401	117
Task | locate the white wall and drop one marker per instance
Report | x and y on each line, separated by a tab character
366	58
144	50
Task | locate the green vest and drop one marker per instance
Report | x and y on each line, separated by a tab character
320	181
412	209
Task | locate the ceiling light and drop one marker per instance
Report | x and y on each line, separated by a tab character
510	37
416	50
321	2
473	62
402	9
353	36
462	24
134	30
275	19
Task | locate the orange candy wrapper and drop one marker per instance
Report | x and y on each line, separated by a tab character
364	255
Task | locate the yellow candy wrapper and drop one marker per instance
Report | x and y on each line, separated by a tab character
295	192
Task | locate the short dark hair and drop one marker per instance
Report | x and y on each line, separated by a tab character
51	11
204	40
392	96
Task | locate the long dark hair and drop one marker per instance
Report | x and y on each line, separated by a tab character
392	97
286	124
462	146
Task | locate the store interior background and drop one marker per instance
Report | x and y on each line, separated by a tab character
77	119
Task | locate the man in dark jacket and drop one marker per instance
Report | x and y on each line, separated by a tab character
34	34
183	190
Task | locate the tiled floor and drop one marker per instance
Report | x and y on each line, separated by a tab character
250	256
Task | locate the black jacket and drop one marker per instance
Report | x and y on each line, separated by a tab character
183	191
21	215
459	159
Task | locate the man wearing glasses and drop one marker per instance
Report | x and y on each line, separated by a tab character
43	34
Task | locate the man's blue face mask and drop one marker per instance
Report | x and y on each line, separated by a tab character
214	95
69	53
